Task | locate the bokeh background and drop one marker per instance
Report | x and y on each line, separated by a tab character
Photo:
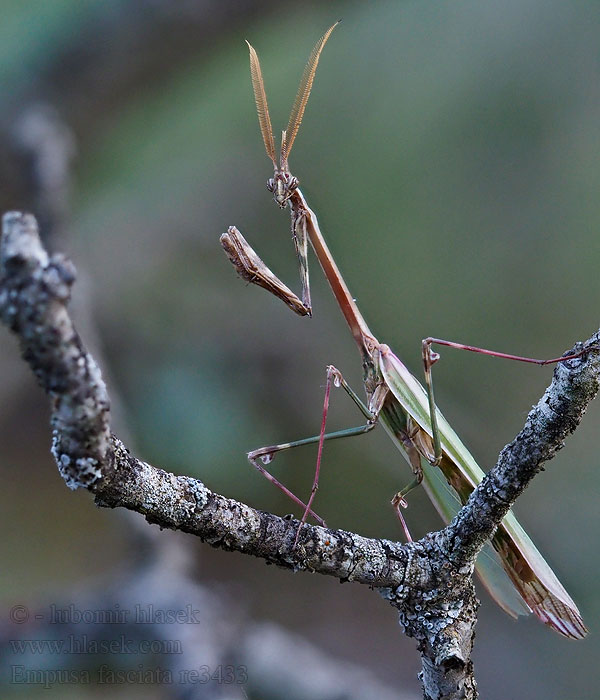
450	150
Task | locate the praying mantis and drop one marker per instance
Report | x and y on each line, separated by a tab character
510	566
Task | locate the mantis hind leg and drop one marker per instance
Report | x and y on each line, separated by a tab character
399	500
264	455
430	358
254	460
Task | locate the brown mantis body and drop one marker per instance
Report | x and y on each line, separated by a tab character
395	398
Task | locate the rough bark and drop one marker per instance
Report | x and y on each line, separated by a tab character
429	581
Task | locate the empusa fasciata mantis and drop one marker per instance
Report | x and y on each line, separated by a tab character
395	398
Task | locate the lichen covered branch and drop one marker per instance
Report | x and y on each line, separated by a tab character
33	296
34	292
429	582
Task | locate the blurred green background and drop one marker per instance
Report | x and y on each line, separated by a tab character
450	150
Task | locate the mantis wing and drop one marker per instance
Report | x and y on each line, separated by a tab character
532	577
489	565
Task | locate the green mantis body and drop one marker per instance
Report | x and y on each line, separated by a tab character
396	399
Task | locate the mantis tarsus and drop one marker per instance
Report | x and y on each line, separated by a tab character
395	398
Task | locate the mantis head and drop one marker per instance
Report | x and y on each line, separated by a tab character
282	185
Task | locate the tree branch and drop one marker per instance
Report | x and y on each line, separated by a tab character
429	582
33	295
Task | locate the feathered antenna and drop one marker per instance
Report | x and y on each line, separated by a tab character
262	108
302	96
283	184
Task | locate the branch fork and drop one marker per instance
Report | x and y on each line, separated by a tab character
429	581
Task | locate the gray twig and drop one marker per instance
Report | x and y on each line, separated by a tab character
429	582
